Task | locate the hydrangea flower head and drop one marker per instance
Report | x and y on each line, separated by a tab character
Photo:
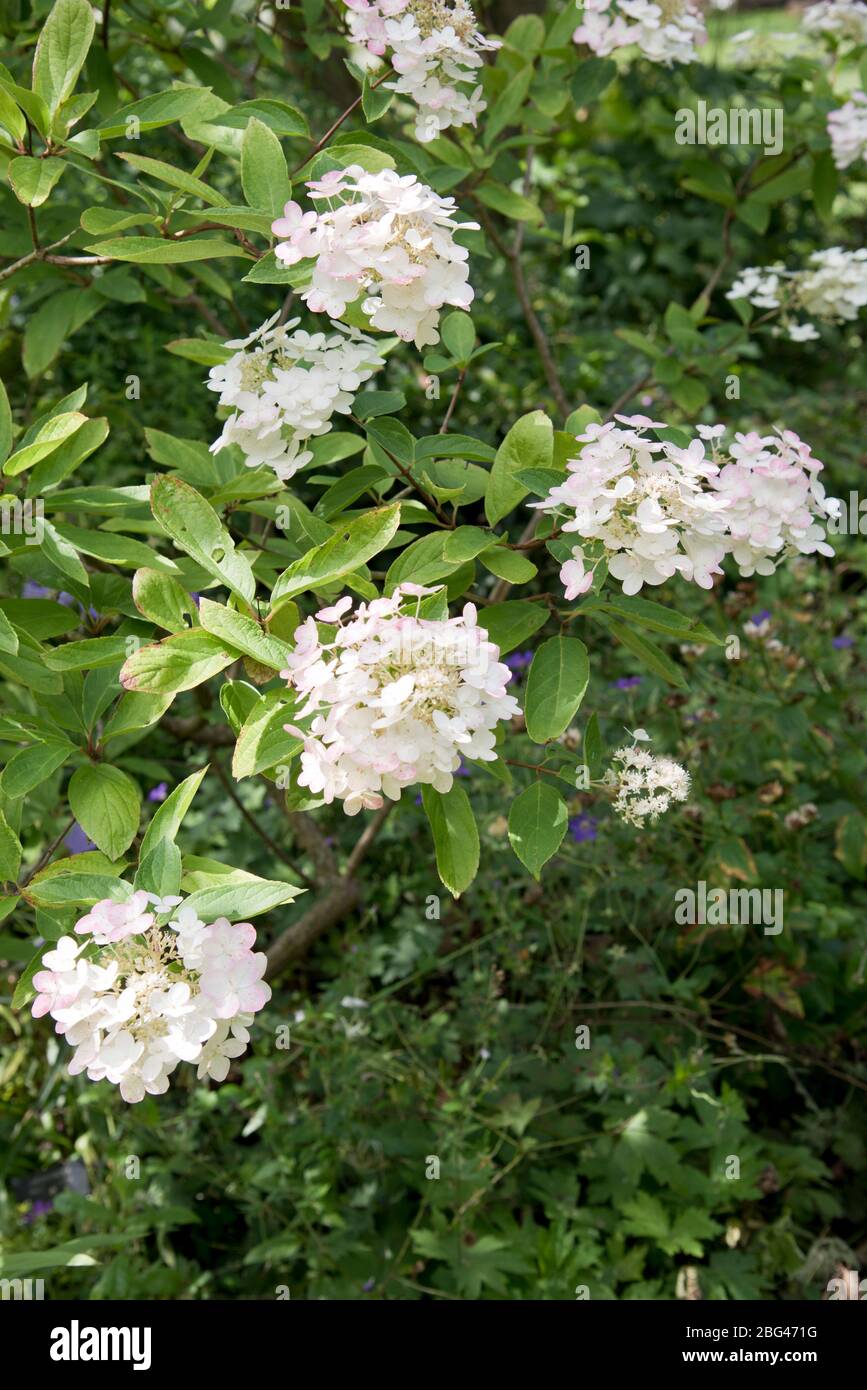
395	699
832	288
668	32
843	20
436	50
284	386
645	501
152	995
384	237
847	131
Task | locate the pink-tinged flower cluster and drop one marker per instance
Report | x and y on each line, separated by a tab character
646	502
847	131
283	387
777	505
435	48
666	33
655	509
385	238
144	985
395	699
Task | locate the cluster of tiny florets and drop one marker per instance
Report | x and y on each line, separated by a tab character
831	288
646	785
668	32
436	50
283	386
385	238
394	699
144	984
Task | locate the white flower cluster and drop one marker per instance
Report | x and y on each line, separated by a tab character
284	387
152	995
669	32
396	699
843	19
831	288
847	131
436	50
646	502
383	235
659	509
646	785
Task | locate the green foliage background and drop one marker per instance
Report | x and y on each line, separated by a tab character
562	1168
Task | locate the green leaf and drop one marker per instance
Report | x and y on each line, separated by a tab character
510	624
160	870
264	174
507	105
594	75
243	900
62	48
8	636
25	990
167	821
375	101
244	634
5	424
353	544
456	836
33	179
176	178
107	805
149	250
593	747
159	109
507	564
537	823
162	600
56	319
512	205
278	116
10	851
556	684
47	438
654	659
528	444
30	767
180	662
135	710
65	459
90	654
194	525
459	335
263	742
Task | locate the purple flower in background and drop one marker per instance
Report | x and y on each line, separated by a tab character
30	589
76	841
66	599
626	682
758	618
518	661
159	792
843	641
195	598
41	1207
582	828
463	770
368	1285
